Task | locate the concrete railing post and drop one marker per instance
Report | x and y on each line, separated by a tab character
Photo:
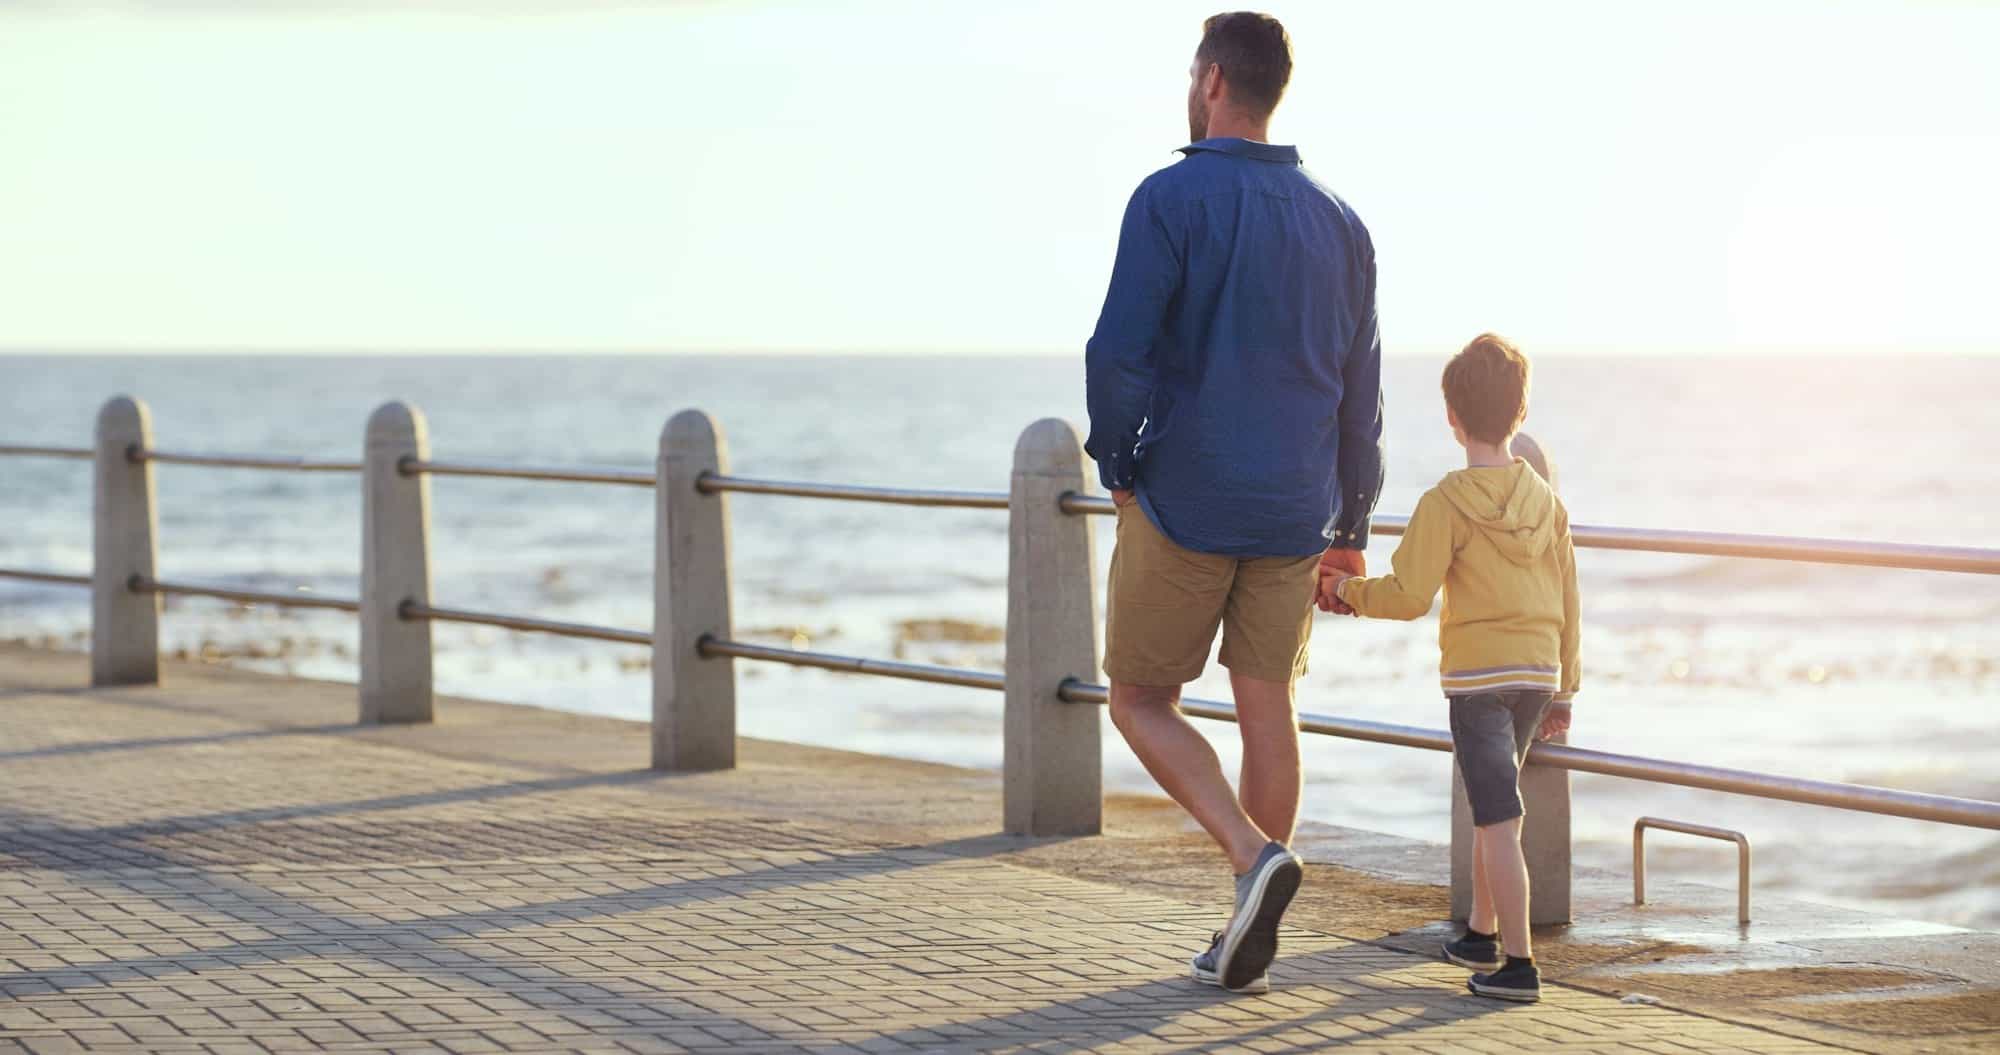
694	699
124	624
1545	843
1054	767
1545	834
395	568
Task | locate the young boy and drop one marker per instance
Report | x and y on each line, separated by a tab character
1494	535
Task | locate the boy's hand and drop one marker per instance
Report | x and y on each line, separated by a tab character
1327	595
1121	499
1335	567
1554	724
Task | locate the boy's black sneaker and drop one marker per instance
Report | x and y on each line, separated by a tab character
1518	981
1474	952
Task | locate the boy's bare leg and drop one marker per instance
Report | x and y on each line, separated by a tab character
1271	777
1186	768
1482	918
1507	875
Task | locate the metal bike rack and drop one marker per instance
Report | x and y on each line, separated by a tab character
1721	834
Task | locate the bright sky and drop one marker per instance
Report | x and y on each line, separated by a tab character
924	175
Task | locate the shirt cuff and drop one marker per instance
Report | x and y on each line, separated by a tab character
1562	700
1116	473
1349	536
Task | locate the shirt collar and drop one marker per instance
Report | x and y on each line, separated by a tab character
1246	148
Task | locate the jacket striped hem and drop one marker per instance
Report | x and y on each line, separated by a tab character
1500	679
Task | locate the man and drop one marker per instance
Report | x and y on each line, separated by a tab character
1235	416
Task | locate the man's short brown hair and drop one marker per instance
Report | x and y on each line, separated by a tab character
1255	54
1486	386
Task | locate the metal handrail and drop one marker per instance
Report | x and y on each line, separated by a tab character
1890	802
716	483
142	584
1076	503
1861	798
1945	809
1848	552
24	450
413	610
44	576
710	646
241	461
1970	559
1727	835
567	474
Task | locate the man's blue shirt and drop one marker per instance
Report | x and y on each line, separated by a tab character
1234	380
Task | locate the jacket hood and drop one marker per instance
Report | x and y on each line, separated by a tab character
1513	506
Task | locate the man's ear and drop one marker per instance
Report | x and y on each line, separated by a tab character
1211	83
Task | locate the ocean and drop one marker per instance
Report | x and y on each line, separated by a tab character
1872	676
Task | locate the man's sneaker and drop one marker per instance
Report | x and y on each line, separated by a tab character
1250	942
1518	981
1204	971
1478	954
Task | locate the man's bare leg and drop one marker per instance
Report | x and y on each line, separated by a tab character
1186	768
1271	779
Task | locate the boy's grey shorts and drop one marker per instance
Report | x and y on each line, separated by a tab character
1490	734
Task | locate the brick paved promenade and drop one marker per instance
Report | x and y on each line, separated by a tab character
226	864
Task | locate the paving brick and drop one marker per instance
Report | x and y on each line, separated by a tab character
182	877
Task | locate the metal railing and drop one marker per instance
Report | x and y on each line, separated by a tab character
1970	559
692	471
1704	831
55	577
19	450
216	460
143	584
1850	552
711	647
555	473
713	483
413	610
1914	805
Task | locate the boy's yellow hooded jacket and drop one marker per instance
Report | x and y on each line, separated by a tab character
1497	539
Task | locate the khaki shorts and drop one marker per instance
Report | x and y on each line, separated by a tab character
1166	603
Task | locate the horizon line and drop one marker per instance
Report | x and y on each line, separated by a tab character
1941	349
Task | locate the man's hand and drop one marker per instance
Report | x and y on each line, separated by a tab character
1554	724
1121	499
1327	595
1347	561
1335	567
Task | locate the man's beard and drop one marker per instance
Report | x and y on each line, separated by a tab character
1197	120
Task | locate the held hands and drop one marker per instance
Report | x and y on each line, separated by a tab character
1327	596
1335	567
1554	724
1121	499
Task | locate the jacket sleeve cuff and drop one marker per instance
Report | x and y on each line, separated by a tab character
1563	700
1341	592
